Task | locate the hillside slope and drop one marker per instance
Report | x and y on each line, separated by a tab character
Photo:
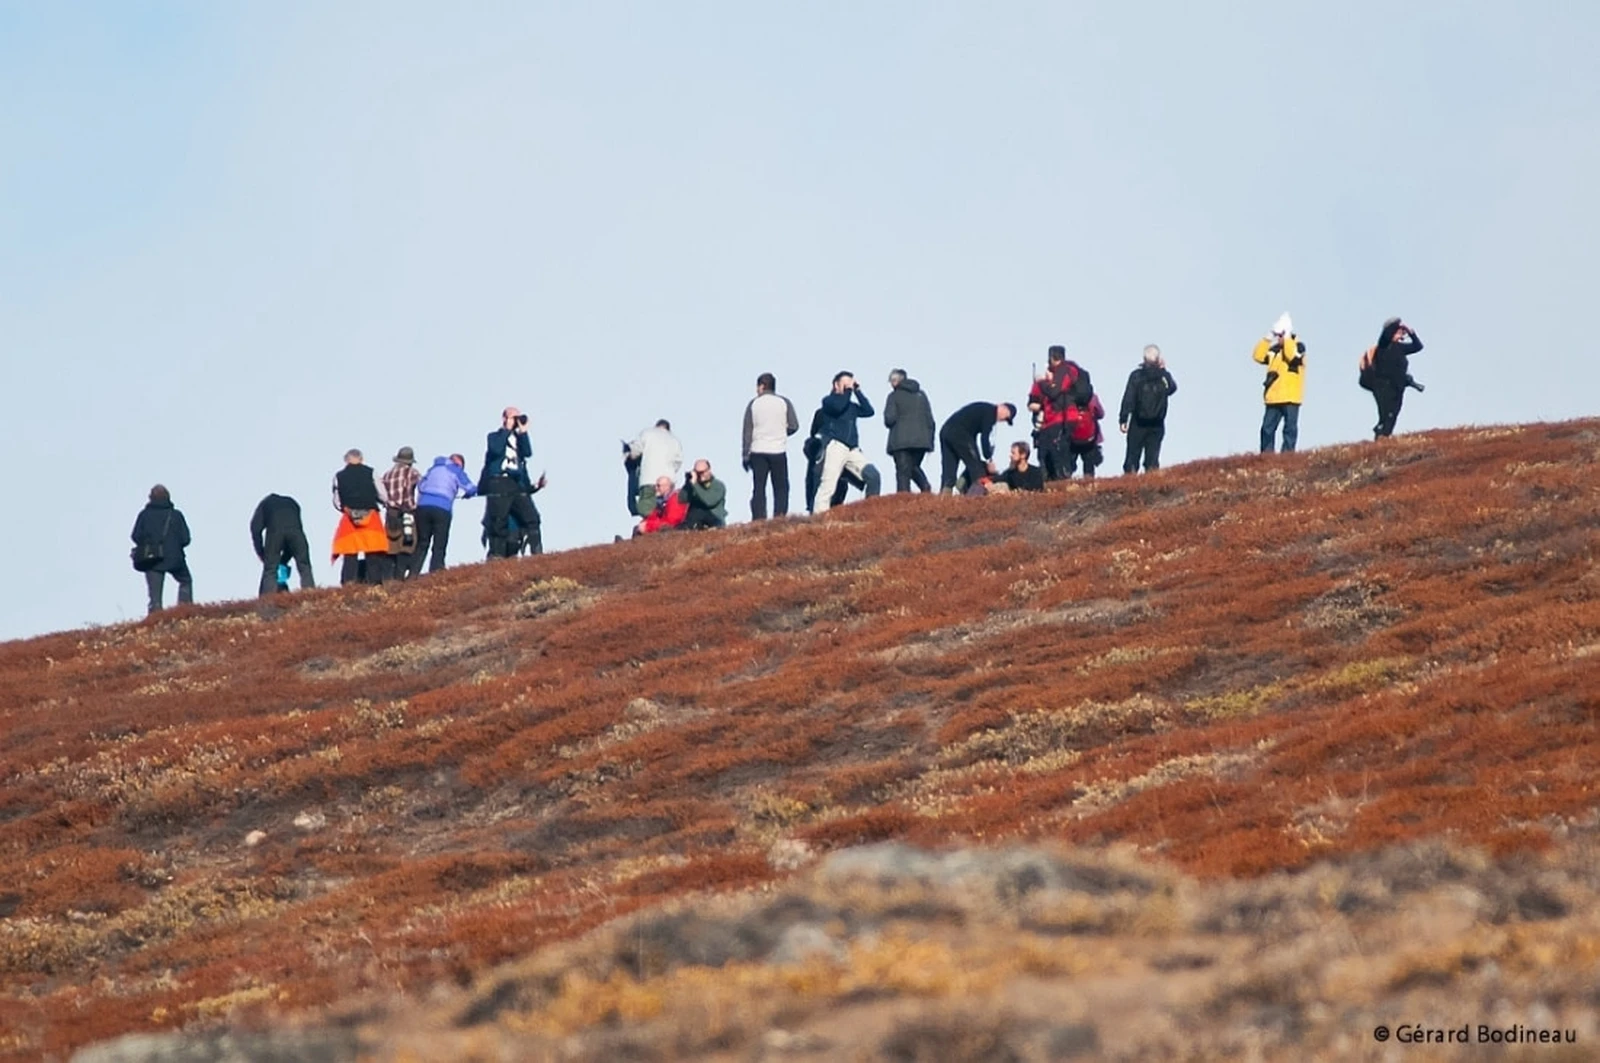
1236	667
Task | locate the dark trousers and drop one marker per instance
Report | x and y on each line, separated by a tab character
908	471
1053	447
433	530
1391	395
155	583
504	500
955	452
1287	414
1144	441
698	519
283	545
1089	453
364	568
632	465
775	467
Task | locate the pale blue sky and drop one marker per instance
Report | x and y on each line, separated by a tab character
237	239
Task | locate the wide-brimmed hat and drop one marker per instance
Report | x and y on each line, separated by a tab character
406	456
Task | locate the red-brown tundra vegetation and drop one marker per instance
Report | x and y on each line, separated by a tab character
1236	667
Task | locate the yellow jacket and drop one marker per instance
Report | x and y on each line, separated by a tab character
1286	369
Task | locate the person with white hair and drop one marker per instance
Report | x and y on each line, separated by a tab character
1144	411
1285	358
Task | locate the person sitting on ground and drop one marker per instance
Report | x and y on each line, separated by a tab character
668	513
279	536
707	498
1143	417
1020	475
965	434
160	536
654	454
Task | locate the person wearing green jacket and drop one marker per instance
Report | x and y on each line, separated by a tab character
707	497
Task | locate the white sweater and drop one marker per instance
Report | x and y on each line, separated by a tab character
659	453
769	421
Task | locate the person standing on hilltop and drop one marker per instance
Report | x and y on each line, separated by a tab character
909	417
279	536
769	421
360	538
400	516
444	482
841	436
1386	372
654	454
1285	358
507	489
1063	385
160	537
961	438
1143	418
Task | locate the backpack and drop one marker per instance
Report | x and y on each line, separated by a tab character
1368	377
1082	428
1150	399
1078	391
148	554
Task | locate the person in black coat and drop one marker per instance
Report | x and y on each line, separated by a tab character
511	522
909	418
278	536
1143	418
161	533
1389	373
963	435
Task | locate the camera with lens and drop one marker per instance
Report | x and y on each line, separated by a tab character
522	418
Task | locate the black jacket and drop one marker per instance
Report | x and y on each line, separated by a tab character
276	514
1391	358
909	418
1131	392
161	522
357	486
1032	480
975	420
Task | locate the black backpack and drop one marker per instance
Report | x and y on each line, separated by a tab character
1078	391
1150	398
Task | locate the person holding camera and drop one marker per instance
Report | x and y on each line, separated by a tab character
654	454
706	496
160	536
507	489
841	436
1285	358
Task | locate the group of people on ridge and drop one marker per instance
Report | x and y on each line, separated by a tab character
388	525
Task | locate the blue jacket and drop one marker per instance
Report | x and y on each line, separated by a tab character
839	416
495	454
442	484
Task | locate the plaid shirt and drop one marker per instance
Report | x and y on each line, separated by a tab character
400	487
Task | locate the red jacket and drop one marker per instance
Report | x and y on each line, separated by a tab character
1049	416
669	513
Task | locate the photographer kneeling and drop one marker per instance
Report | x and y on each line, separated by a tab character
707	497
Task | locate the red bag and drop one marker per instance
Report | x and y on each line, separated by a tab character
1083	422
